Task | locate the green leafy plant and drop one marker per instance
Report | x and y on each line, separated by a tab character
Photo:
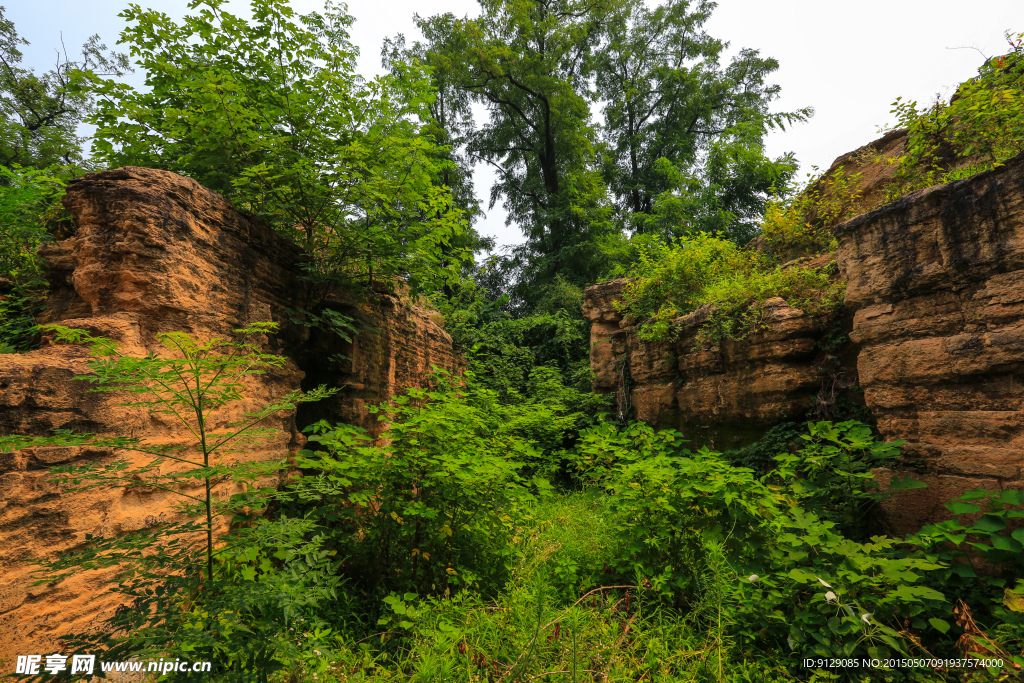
978	129
29	204
40	112
800	223
671	503
734	284
270	112
982	548
993	534
737	303
822	595
428	508
186	591
832	474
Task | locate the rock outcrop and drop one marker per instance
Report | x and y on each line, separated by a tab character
936	283
397	345
870	169
935	290
154	252
723	395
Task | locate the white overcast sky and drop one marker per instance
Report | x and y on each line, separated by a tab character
848	60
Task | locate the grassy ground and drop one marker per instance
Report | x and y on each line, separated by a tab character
555	621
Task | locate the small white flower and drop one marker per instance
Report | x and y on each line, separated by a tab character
866	617
753	578
830	596
826	585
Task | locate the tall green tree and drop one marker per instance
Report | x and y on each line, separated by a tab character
526	61
684	134
40	112
270	112
449	124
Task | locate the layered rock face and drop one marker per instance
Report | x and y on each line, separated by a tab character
935	288
723	395
154	252
398	345
936	281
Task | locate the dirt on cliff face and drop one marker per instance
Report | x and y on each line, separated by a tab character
155	252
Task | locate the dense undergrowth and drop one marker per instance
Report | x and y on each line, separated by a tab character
482	540
503	529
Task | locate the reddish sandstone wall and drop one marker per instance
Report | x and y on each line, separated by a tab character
935	288
154	252
936	281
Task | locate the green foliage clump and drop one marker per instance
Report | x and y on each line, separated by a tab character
801	223
269	112
981	548
232	601
760	455
28	207
672	280
978	129
695	529
40	112
737	302
430	506
428	509
831	473
538	357
666	528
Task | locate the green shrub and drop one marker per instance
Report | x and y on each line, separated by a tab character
748	560
801	225
28	204
823	595
737	302
978	129
265	611
982	548
428	508
670	504
831	474
671	278
671	281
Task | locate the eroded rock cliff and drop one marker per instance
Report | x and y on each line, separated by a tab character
155	252
722	395
935	289
936	283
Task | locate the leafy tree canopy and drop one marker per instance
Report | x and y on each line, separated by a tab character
526	61
40	113
270	112
683	134
679	151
